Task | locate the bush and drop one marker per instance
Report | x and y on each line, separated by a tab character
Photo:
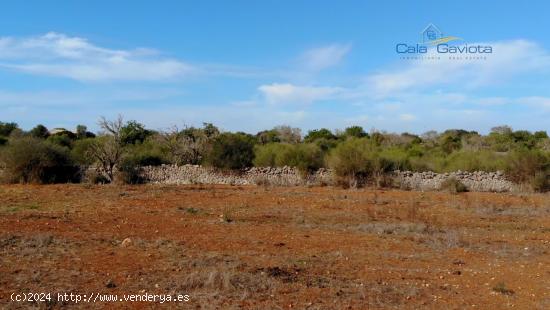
473	161
133	132
232	151
80	152
148	153
96	177
355	131
32	160
129	172
306	157
351	161
317	134
61	140
528	167
453	186
268	155
39	131
7	128
540	182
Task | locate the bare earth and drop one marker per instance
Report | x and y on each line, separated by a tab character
231	247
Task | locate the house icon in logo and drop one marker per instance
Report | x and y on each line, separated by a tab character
431	33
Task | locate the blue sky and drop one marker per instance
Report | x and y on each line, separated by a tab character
252	65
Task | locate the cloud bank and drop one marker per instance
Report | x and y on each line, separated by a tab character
59	55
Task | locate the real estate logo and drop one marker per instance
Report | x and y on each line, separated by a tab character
432	38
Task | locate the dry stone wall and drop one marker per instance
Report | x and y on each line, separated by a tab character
194	174
478	181
289	176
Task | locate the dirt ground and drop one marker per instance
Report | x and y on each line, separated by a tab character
230	247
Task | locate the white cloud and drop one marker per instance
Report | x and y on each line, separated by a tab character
536	101
78	99
407	117
289	93
55	54
320	58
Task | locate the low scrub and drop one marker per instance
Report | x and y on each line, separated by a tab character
529	167
33	160
306	157
231	151
129	172
453	186
357	161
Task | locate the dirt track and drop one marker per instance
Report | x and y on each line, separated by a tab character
276	248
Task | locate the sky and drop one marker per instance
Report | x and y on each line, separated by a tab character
252	65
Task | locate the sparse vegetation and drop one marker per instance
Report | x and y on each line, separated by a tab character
31	160
357	157
309	247
502	289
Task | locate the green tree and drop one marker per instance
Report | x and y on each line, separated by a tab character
7	128
355	131
133	132
83	133
317	134
232	151
268	136
40	131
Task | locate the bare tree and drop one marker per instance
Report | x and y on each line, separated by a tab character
288	134
107	149
503	130
186	146
113	128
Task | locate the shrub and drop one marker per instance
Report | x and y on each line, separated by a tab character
528	167
398	157
232	151
61	139
306	157
351	161
7	128
473	161
133	132
540	182
316	134
129	172
453	186
355	131
148	153
32	160
268	155
96	177
80	152
501	288
268	136
39	131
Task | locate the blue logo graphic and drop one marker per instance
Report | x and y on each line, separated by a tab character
431	33
432	36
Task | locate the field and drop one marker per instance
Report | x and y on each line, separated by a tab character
231	247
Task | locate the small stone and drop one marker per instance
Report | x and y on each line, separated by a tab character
126	243
110	284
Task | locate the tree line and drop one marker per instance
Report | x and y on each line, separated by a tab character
120	148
